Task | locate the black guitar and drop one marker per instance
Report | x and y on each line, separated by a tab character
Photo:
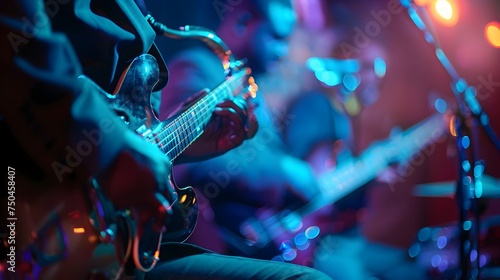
132	103
77	233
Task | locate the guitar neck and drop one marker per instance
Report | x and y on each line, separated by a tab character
349	176
353	174
174	136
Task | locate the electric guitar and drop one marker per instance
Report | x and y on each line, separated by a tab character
77	233
294	232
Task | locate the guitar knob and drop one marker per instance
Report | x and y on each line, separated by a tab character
107	236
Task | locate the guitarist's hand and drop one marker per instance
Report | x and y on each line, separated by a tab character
138	180
232	122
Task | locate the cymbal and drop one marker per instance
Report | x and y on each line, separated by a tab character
490	189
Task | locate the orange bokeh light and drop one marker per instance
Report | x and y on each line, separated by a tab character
79	230
445	12
492	33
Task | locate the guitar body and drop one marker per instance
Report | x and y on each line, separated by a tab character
132	103
131	99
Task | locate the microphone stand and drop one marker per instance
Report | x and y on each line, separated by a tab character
468	185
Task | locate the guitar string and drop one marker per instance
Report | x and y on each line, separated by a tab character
175	131
226	88
182	127
193	131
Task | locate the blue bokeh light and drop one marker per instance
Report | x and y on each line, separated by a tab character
351	81
441	242
466	142
289	254
440	105
379	67
312	232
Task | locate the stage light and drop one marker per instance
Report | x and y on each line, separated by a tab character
492	33
444	9
79	230
445	12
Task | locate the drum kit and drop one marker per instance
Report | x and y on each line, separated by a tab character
490	188
437	248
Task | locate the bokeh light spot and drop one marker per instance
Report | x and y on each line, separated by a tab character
492	33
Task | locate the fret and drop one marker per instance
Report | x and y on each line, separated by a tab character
184	132
168	146
181	132
173	151
188	130
166	143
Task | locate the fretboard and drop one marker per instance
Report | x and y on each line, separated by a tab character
177	134
349	176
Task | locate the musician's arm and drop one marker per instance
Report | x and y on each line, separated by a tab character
61	121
